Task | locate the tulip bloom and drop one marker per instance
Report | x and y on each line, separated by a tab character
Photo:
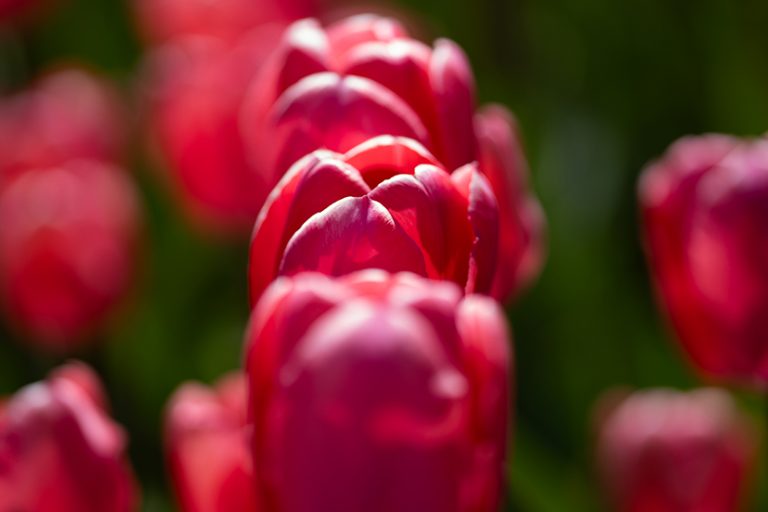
67	249
364	76
666	451
60	451
69	114
704	210
384	204
207	447
194	88
377	392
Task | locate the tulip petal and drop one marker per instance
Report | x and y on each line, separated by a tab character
385	156
454	91
352	234
350	32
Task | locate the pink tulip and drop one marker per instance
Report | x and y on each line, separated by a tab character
704	211
384	204
666	451
67	249
60	451
364	76
195	87
207	447
377	392
68	114
164	20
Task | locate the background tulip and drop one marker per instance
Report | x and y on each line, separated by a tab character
207	447
666	451
60	451
364	76
384	204
378	391
704	211
67	249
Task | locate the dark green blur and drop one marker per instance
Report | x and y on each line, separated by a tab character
600	87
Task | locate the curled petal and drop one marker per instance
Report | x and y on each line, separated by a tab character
328	111
352	234
454	91
385	156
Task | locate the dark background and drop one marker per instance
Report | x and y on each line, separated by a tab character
600	87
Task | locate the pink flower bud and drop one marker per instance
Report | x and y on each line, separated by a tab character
334	88
67	249
207	447
378	391
704	210
666	451
69	114
384	204
60	451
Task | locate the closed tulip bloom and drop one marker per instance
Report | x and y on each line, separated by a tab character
377	392
336	87
207	447
60	451
68	114
667	451
384	204
704	209
67	249
194	87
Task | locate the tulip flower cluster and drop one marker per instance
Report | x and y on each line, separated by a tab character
70	215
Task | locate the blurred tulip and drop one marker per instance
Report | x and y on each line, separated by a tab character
195	87
207	447
69	114
705	207
384	204
666	451
378	392
60	451
67	249
163	20
364	76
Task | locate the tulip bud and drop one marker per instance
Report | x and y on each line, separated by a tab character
334	88
666	451
69	114
377	392
384	204
207	447
704	212
67	249
60	451
194	88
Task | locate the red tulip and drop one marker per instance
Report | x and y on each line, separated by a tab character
163	20
362	77
377	392
207	447
665	451
384	204
69	114
195	87
60	451
66	249
705	210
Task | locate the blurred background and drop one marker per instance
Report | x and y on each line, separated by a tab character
600	88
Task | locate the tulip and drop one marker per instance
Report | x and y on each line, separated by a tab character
163	20
704	211
60	451
667	451
207	447
69	114
66	249
194	89
384	204
363	77
377	392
